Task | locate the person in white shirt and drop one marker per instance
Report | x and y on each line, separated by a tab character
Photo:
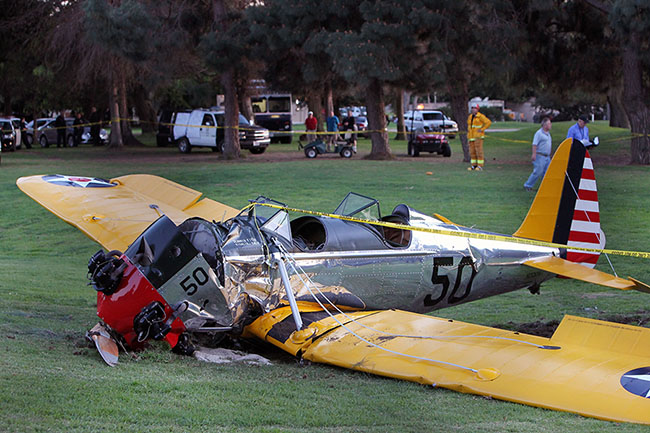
541	157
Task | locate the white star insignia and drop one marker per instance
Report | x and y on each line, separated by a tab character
643	377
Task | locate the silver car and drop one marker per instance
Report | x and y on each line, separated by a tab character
47	132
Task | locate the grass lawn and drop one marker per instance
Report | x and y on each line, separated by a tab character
52	381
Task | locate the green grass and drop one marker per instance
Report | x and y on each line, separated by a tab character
52	381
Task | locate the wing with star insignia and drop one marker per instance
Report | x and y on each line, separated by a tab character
591	367
115	212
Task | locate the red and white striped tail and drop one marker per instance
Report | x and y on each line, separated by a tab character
585	229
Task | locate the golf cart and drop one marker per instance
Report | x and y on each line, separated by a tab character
427	137
318	147
428	142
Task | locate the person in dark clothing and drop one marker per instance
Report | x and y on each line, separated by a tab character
59	124
350	124
95	126
78	129
23	133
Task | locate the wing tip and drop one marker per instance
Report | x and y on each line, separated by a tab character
639	285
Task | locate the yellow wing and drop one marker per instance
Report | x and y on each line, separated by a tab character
114	213
590	367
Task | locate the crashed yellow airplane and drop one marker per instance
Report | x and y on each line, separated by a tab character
350	288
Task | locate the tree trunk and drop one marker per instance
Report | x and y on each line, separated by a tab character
245	105
329	100
115	140
145	110
246	108
459	109
634	97
617	116
399	107
232	149
314	101
459	96
127	135
36	134
377	121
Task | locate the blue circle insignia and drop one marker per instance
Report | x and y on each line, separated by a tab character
637	381
78	181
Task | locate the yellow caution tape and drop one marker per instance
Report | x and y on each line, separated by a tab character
492	237
69	126
341	132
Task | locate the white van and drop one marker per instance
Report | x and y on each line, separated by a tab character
204	128
430	121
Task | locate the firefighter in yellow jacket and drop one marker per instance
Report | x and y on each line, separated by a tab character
477	123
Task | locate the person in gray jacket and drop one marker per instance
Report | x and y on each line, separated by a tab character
541	157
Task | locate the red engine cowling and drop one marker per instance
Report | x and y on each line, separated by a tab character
134	294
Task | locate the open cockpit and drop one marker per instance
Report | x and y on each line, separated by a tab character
346	230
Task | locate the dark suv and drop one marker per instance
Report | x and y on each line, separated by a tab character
430	142
251	137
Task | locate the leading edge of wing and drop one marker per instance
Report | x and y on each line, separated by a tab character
114	213
565	268
584	368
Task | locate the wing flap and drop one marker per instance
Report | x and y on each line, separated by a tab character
565	268
114	213
568	372
601	335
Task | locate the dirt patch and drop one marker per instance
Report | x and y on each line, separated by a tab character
546	329
147	154
617	159
150	155
539	328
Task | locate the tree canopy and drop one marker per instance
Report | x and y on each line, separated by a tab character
569	54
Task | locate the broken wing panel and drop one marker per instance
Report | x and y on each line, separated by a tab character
115	212
576	271
589	367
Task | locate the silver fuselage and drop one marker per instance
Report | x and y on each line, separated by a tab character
355	266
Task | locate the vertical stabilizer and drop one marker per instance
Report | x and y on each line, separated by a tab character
565	209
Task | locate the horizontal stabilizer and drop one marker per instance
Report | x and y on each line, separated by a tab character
590	367
446	220
565	268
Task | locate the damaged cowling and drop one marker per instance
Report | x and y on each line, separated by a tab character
168	282
105	271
